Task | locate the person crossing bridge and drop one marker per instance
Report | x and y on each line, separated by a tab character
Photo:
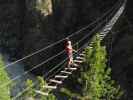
69	51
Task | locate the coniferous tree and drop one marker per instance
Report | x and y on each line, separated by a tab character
4	89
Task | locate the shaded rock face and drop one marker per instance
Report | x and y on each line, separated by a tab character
129	12
38	27
120	48
9	25
28	25
122	52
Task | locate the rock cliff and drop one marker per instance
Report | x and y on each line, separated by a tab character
29	25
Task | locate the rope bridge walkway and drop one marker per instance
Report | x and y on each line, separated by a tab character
60	72
59	78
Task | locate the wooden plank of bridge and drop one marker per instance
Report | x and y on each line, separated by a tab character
71	68
55	81
102	35
42	93
80	58
66	72
61	76
50	87
78	61
90	46
81	54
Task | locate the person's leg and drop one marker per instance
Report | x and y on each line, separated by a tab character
70	60
69	63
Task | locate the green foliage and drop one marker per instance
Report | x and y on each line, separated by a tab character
98	83
42	83
4	90
73	96
50	97
69	93
30	93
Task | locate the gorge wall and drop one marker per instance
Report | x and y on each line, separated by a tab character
27	26
120	43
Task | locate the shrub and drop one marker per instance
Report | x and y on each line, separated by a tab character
4	89
30	93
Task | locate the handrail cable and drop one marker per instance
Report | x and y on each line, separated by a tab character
55	43
82	40
19	94
26	72
54	67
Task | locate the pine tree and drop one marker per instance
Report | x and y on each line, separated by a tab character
4	89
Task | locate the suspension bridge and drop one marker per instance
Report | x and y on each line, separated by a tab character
56	76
